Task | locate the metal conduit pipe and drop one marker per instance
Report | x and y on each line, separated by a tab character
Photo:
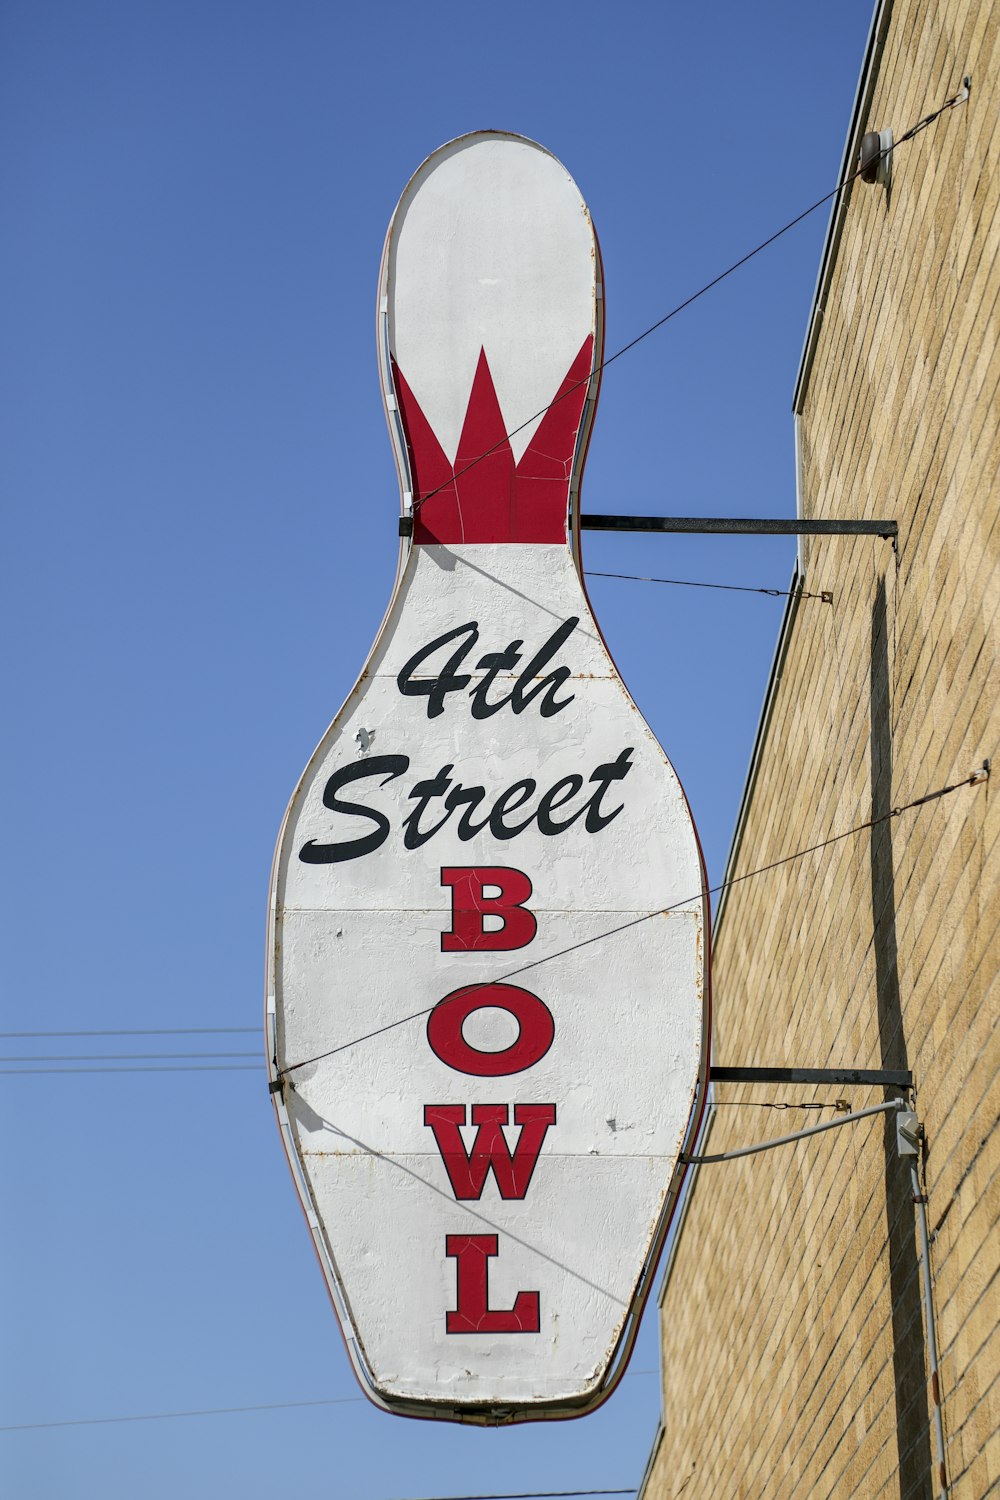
909	1132
797	1135
920	1200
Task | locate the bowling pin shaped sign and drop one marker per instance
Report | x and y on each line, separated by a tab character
487	991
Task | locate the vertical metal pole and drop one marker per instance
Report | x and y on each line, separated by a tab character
920	1200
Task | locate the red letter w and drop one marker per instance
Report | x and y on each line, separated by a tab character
468	1170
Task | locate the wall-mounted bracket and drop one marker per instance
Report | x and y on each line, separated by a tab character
891	1078
722	526
739	525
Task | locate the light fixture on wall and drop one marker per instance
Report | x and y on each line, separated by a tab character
875	159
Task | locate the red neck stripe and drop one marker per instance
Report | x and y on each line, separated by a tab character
496	500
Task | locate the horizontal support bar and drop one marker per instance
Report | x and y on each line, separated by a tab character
738	525
721	525
896	1078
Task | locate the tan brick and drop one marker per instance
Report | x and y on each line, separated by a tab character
781	1320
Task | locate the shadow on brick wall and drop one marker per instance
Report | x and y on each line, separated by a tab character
908	1354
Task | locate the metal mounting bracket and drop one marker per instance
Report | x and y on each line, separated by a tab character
722	525
893	1078
739	525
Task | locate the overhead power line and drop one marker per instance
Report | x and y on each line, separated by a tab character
122	1056
737	265
169	1068
201	1411
166	1416
981	774
145	1031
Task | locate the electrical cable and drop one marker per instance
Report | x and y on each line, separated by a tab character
121	1056
202	1411
981	774
907	135
734	588
170	1068
156	1031
165	1416
531	1495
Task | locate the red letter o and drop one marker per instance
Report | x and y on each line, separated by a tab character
444	1030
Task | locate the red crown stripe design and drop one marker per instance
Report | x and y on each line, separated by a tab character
496	500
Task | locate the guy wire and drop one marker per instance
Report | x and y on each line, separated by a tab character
907	135
977	776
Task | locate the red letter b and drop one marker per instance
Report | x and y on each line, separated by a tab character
469	906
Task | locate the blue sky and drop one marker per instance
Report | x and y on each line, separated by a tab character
201	512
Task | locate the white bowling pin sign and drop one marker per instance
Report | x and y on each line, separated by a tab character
487	989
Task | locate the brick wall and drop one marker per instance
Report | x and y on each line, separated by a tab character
792	1325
